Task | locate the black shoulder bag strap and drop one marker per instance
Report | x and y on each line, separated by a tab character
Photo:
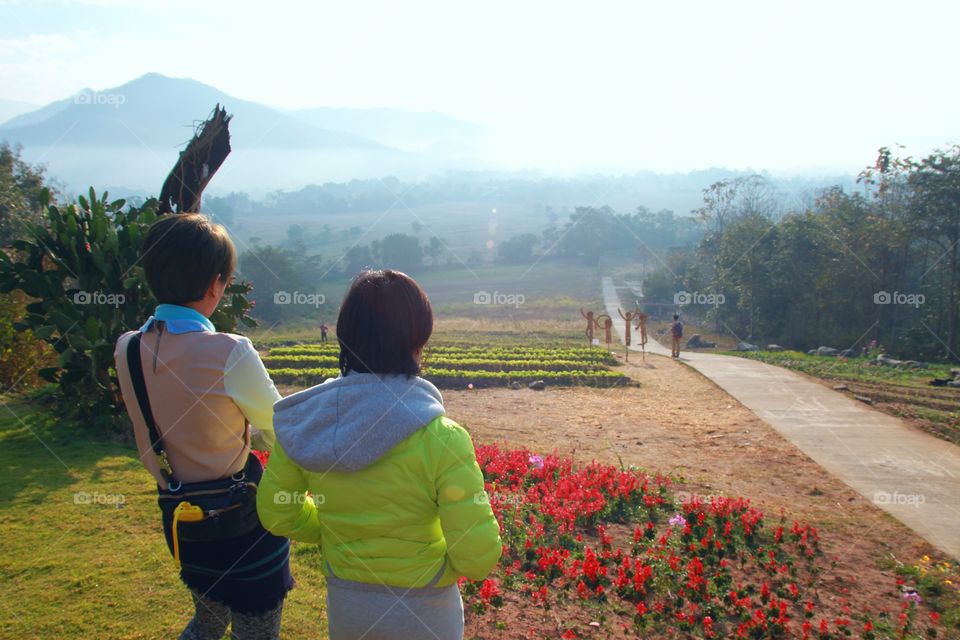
135	366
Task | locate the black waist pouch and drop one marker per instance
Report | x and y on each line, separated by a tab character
229	505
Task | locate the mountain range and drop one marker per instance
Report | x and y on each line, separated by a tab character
128	135
127	138
13	108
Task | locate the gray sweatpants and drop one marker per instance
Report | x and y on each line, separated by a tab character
359	611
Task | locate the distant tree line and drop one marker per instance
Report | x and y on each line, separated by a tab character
530	189
589	234
882	263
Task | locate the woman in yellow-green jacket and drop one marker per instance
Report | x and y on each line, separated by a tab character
396	496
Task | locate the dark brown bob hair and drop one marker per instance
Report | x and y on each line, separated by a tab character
183	253
385	318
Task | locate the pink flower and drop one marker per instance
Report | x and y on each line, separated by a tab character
912	596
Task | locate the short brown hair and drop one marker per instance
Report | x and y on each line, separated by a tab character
385	317
183	253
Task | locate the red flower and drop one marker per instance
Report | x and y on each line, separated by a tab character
489	590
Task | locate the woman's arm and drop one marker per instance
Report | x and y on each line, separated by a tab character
469	526
282	503
249	385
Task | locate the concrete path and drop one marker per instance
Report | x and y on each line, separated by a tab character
913	476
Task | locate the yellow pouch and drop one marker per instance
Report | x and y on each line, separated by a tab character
185	512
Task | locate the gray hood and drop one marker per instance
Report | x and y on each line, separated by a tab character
350	422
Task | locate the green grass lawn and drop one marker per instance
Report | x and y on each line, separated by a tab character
902	392
83	554
864	369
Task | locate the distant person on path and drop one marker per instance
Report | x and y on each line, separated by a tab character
192	394
368	466
323	331
676	333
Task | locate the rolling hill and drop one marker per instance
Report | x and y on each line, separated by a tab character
158	112
126	139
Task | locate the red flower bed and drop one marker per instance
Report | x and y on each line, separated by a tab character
598	551
602	552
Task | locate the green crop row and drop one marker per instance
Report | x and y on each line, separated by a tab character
587	354
331	347
544	354
300	361
474	364
307	377
456	379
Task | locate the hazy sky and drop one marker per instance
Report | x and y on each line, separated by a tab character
563	85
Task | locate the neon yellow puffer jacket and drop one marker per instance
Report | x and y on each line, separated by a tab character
397	494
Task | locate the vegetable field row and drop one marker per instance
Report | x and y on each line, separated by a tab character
463	366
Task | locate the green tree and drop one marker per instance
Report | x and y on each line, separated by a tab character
518	249
21	186
356	259
435	250
400	251
935	182
82	269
